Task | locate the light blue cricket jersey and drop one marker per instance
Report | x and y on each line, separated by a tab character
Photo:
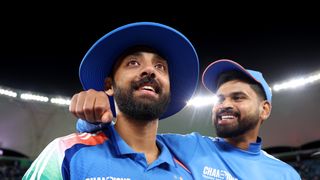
215	159
103	156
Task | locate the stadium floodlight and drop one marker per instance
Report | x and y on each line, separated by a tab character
8	92
197	101
34	97
61	101
200	101
298	82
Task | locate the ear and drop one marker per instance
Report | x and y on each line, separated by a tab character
108	86
265	110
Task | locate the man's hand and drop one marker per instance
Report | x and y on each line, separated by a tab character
91	105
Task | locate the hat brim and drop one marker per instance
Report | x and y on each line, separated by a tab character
211	73
175	47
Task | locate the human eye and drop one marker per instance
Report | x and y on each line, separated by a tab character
133	62
160	66
238	97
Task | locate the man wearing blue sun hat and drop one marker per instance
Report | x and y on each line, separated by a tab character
142	68
244	104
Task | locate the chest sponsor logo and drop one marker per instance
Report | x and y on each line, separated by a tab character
215	174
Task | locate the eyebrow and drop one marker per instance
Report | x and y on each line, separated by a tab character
159	58
238	93
139	53
233	94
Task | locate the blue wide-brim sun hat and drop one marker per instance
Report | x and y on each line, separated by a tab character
179	52
212	72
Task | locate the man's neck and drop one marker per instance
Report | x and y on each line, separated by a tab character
139	135
243	142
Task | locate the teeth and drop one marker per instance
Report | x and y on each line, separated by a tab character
148	88
227	117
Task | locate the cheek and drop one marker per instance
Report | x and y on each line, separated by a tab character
166	84
124	79
248	109
214	110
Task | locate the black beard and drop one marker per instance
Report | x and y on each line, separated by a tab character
244	125
143	108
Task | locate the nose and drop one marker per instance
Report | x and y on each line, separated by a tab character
148	71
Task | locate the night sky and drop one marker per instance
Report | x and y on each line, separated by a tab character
42	45
41	49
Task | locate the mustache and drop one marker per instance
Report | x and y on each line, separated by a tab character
227	111
147	80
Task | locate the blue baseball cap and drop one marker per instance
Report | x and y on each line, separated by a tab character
212	72
180	54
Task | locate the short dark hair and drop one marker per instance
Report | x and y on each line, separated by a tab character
236	75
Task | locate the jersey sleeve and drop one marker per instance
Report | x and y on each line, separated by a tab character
48	164
84	126
183	147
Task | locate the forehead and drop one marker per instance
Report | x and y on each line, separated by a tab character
235	86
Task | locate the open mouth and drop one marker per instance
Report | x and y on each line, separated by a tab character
147	88
151	85
227	117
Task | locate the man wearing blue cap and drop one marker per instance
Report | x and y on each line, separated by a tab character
133	64
244	104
